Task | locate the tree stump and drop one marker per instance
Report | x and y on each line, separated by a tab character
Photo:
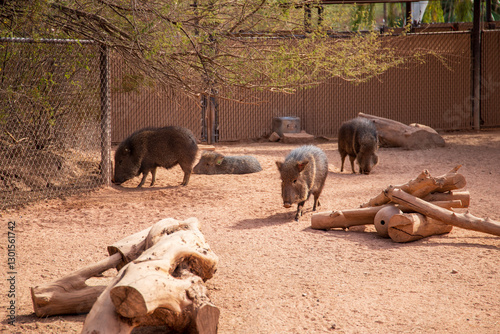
413	137
163	286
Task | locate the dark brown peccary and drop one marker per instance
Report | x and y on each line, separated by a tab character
302	173
215	163
358	139
149	148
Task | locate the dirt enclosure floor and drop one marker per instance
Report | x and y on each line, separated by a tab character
276	275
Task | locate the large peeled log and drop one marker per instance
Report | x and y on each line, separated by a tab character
163	286
413	137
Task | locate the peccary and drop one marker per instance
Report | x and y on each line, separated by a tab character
216	163
149	148
358	139
302	173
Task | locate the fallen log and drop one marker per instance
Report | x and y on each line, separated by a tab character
413	137
466	221
163	286
362	216
423	185
70	294
414	226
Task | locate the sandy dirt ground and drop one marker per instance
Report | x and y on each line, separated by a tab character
276	275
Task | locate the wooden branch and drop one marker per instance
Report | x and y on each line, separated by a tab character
164	285
362	216
70	294
395	134
414	226
423	185
130	247
451	196
466	221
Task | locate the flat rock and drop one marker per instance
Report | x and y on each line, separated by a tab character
297	138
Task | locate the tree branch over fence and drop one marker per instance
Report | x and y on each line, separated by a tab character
194	46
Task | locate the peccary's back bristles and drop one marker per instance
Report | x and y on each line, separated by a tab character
358	139
149	148
303	173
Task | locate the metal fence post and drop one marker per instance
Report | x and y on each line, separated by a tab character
476	66
105	116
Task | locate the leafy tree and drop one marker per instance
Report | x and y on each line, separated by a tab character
433	13
199	46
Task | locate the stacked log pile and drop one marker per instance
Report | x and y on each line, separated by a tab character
419	208
160	282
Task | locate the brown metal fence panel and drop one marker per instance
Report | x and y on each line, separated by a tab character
436	93
135	106
490	79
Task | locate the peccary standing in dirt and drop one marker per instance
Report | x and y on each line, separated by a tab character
302	173
358	139
216	163
149	148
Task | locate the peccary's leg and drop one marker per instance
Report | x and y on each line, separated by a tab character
187	168
144	175
352	158
300	207
342	157
153	174
316	202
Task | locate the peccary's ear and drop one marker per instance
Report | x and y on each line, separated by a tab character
301	165
279	164
219	160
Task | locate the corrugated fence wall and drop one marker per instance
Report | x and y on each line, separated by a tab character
436	93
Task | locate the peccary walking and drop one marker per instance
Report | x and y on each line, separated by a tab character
216	163
302	173
149	148
358	139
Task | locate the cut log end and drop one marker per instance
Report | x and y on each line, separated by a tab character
128	302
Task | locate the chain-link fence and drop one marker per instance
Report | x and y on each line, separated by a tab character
50	119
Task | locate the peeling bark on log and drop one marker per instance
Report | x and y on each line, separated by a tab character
413	137
163	286
415	226
466	221
362	216
423	185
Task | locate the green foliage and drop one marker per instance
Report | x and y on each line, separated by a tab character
433	13
233	43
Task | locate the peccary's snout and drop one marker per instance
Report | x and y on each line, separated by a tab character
287	204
